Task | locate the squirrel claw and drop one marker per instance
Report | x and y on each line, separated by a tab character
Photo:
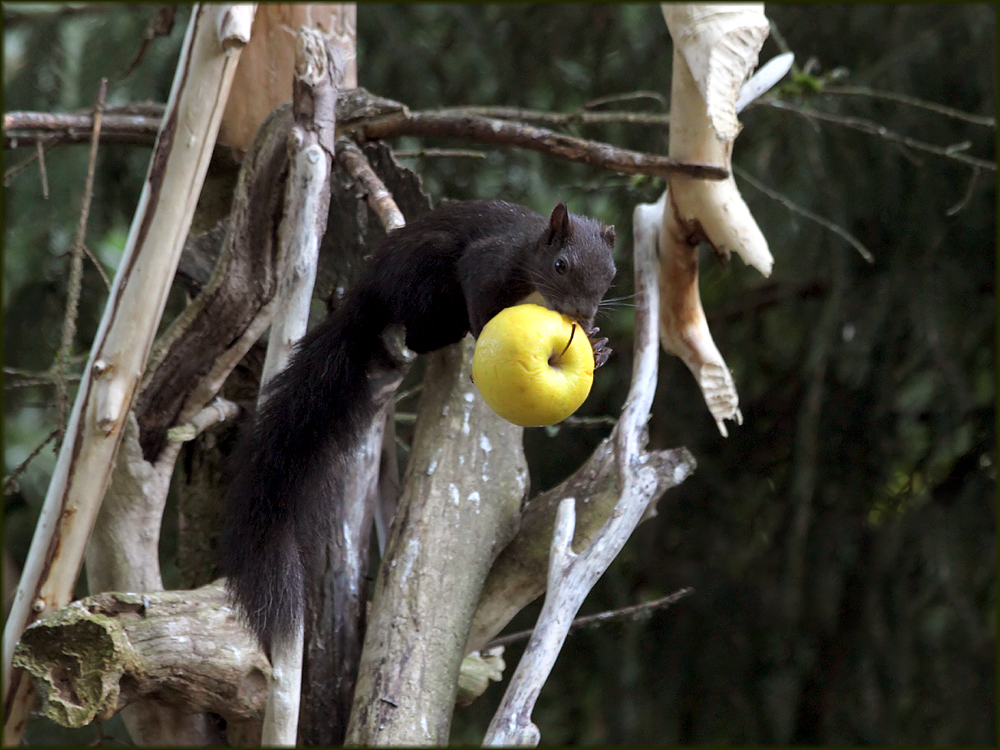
602	352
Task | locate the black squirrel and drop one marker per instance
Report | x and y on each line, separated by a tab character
441	276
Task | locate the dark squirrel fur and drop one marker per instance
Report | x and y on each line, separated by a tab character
441	276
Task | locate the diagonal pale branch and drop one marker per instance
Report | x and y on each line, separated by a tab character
124	338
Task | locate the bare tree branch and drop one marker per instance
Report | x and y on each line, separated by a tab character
445	153
40	153
506	133
912	101
394	119
803	211
873	128
625	613
556	119
10	483
76	267
23	128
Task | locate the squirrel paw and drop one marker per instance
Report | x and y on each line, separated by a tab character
602	352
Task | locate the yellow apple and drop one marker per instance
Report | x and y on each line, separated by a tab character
533	366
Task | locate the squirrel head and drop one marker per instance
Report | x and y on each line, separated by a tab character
574	264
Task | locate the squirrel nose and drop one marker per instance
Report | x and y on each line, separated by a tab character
587	315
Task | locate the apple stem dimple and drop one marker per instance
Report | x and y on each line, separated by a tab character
572	333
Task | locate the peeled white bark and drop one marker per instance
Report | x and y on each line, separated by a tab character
715	50
719	43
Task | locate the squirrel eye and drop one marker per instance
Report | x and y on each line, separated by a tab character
561	265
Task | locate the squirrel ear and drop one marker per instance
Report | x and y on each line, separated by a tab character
558	223
608	235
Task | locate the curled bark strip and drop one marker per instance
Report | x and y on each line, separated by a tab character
233	24
684	328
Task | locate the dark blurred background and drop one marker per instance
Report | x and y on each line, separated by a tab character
841	543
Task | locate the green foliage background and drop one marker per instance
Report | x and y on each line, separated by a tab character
842	541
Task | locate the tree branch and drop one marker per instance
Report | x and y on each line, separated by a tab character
380	200
912	101
24	128
185	649
506	133
634	612
76	267
803	211
120	347
873	128
371	117
562	119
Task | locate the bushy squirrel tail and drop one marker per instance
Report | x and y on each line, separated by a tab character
283	486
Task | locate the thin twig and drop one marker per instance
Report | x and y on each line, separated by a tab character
628	97
10	484
40	153
600	421
778	37
633	612
76	267
26	379
403	395
967	197
45	140
161	24
873	128
453	153
214	413
913	101
99	266
803	211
